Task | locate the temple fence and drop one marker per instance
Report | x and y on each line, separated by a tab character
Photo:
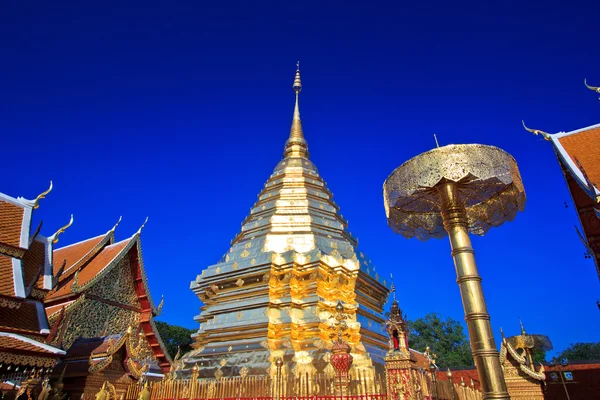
315	387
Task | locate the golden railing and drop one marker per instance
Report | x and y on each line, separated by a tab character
319	386
304	385
445	389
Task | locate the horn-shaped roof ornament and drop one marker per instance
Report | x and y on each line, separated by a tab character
594	88
117	224
41	196
54	237
35	203
142	227
546	135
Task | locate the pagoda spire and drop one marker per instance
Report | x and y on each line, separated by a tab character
296	145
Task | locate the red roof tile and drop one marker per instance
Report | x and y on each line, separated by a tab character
7	285
11	221
82	348
24	318
72	254
33	259
585	147
90	270
14	342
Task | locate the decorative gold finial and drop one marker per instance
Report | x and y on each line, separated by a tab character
117	224
296	145
546	135
142	227
54	237
41	196
594	88
297	82
449	373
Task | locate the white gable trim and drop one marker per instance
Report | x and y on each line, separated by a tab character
18	282
46	347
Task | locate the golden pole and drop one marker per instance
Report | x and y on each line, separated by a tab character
484	350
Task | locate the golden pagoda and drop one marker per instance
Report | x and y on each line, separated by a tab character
273	294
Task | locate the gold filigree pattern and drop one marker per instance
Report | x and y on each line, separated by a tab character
117	285
489	183
88	319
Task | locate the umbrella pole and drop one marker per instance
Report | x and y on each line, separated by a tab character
484	349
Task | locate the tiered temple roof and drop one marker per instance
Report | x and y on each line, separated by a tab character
273	293
103	291
26	276
578	153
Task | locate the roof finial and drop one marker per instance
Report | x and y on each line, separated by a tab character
393	287
142	227
546	135
436	141
41	196
54	238
296	145
36	203
594	88
117	224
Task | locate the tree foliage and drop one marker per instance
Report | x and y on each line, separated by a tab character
581	352
174	336
446	338
539	356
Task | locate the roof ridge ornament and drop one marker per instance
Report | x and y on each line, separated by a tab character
594	88
115	226
35	203
546	135
142	227
54	238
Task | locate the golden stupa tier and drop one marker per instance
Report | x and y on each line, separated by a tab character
273	294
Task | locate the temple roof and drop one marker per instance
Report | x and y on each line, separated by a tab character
28	318
100	262
15	223
11	224
87	262
21	343
579	150
75	254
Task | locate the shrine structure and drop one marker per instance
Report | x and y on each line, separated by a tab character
524	380
101	311
272	294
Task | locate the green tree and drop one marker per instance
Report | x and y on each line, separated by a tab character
446	338
581	351
539	356
174	336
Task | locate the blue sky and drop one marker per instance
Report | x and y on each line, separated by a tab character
179	111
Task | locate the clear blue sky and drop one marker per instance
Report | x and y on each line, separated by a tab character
179	111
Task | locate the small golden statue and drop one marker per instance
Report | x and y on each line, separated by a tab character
144	393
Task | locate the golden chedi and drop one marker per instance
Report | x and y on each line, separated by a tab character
272	294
